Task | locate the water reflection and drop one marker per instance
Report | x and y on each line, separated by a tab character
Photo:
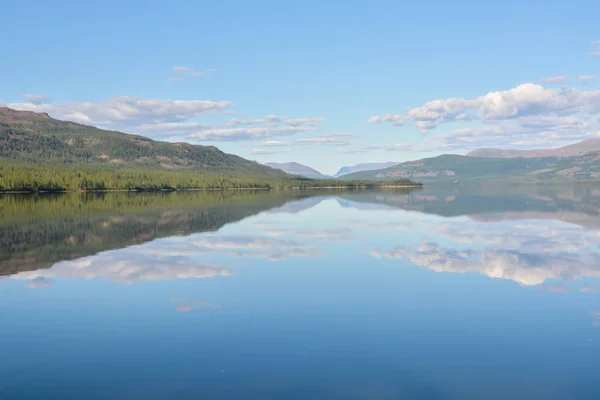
596	317
528	252
37	231
543	235
185	305
125	266
447	293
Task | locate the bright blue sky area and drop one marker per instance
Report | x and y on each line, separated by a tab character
342	61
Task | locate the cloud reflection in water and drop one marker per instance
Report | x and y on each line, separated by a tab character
529	252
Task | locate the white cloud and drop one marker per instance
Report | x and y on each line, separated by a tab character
395	119
167	129
528	99
236	130
522	133
325	140
554	79
595	50
274	120
524	100
334	139
274	143
399	147
35	98
436	112
587	78
127	111
385	147
187	71
233	134
526	116
264	152
175	79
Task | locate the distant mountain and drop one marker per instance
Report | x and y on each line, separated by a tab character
457	169
298	169
364	167
37	138
577	149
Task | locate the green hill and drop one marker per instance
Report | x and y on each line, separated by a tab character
39	154
456	168
37	138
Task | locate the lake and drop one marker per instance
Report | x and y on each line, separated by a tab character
433	293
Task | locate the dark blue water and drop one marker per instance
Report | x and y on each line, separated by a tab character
435	294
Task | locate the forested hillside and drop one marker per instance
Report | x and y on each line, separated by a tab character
36	138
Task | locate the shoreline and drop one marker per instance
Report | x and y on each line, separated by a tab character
364	186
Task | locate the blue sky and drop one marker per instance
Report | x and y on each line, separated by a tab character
430	77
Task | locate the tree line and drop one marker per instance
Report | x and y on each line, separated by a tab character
21	177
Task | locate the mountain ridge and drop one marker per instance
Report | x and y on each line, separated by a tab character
575	149
453	168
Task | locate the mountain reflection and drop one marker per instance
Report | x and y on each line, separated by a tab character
530	236
38	231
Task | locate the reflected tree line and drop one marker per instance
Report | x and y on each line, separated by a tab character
37	231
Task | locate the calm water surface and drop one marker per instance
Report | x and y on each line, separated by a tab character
444	293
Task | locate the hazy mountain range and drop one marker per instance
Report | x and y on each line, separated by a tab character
304	170
579	161
577	149
294	168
